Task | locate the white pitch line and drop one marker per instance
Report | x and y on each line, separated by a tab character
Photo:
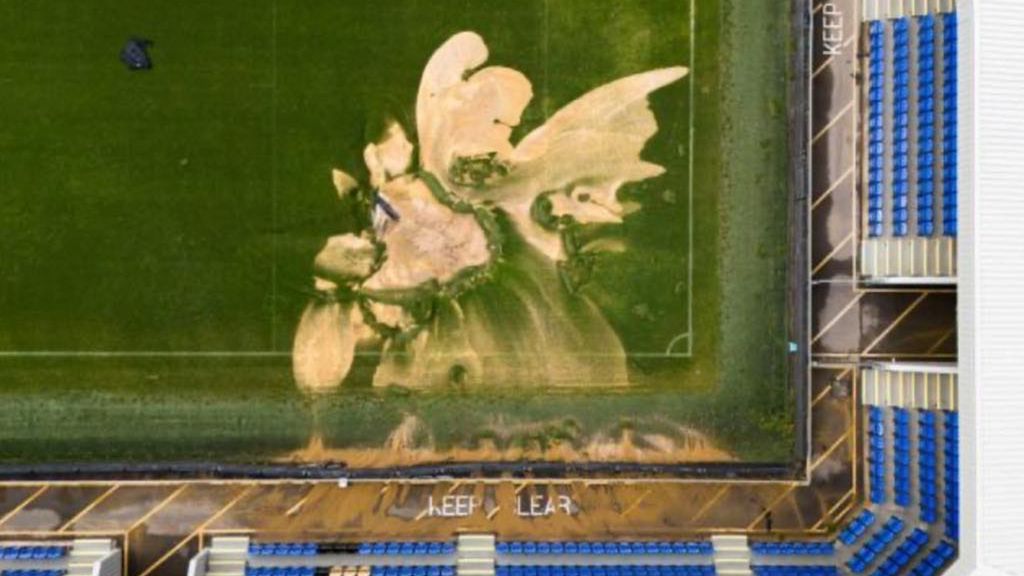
693	102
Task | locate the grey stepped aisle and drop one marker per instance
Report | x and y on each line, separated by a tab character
732	555
475	556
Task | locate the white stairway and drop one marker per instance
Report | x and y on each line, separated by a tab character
732	555
227	556
85	553
924	386
475	555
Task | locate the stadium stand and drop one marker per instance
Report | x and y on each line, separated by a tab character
876	128
901	125
926	469
896	562
364	548
37	552
951	452
876	454
949	123
857	528
411	571
925	125
901	456
605	548
806	570
793	548
935	560
910	149
876	545
606	570
283	549
80	557
407	548
281	571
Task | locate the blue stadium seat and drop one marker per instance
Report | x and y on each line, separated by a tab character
901	457
949	133
876	545
899	559
856	528
876	128
34	572
934	561
803	570
951	474
876	454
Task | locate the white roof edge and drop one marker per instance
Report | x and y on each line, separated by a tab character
991	270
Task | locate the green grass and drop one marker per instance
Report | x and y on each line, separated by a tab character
180	209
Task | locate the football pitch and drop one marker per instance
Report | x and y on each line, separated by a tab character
160	230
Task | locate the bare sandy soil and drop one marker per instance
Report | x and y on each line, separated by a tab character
403	449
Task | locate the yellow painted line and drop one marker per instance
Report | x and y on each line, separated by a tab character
125	557
32	497
832	187
896	322
835	446
760	517
821	396
836	319
832	122
846	509
163	504
941	340
99	500
635	503
714	500
828	257
298	505
198	530
830	513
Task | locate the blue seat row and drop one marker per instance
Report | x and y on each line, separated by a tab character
45	552
280	571
433	570
769	570
926	467
605	548
857	527
34	572
876	454
900	140
406	548
876	545
932	563
951	441
876	129
925	127
949	114
608	570
792	548
283	548
901	456
900	558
